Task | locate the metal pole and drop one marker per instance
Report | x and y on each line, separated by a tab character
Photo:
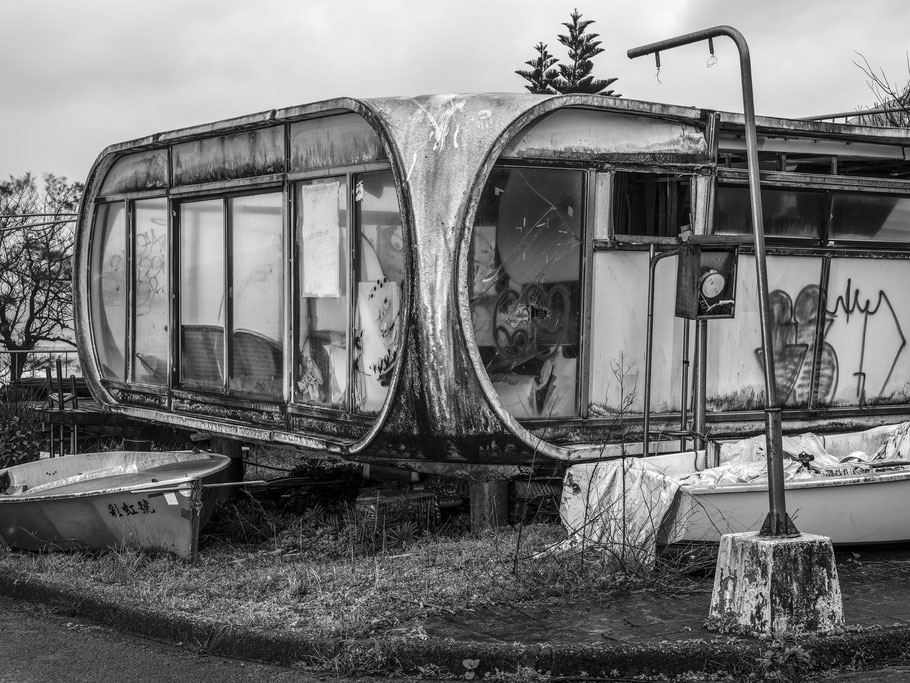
701	383
653	258
684	388
777	523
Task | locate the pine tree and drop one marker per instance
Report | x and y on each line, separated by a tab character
542	74
548	76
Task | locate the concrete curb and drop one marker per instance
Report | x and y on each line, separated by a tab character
393	655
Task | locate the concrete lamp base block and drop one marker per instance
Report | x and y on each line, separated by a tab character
767	585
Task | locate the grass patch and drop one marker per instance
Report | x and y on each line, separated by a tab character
318	574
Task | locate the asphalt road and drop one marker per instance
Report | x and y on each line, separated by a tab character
37	645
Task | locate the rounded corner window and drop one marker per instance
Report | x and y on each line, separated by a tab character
525	288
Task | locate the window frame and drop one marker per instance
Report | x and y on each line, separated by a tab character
225	198
350	174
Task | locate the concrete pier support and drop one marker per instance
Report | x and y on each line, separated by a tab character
772	585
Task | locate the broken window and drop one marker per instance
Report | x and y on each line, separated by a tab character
651	204
525	287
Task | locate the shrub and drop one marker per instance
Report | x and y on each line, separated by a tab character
20	432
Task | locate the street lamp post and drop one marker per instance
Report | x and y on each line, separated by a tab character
777	522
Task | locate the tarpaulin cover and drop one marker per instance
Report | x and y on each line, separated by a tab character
616	506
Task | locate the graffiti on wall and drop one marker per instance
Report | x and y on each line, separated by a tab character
879	333
798	344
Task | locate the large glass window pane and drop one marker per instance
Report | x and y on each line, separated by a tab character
785	212
380	276
109	289
321	367
883	218
525	288
257	356
202	305
150	346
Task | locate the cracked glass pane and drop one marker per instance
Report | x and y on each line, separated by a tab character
380	278
525	288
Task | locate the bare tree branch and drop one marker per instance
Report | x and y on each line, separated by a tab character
887	95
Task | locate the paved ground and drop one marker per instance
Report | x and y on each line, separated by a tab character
38	645
875	585
646	633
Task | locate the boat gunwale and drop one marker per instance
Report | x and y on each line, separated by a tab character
798	484
45	492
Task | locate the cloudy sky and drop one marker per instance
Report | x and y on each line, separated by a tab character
78	75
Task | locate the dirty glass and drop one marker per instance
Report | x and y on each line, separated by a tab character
257	305
333	141
379	281
882	218
239	155
151	292
656	205
137	172
109	289
785	212
525	290
321	369
202	304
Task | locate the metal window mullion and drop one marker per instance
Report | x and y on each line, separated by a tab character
583	390
227	227
353	218
129	304
288	281
820	321
174	300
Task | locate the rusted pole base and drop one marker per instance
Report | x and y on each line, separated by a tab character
489	504
768	585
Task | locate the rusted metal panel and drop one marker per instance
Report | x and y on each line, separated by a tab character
265	416
140	398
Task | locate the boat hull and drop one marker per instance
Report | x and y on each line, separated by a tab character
850	510
160	507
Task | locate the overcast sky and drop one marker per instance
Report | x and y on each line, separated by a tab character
78	75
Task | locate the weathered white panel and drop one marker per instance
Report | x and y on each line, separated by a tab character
619	335
868	313
735	379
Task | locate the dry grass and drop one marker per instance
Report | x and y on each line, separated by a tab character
317	574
